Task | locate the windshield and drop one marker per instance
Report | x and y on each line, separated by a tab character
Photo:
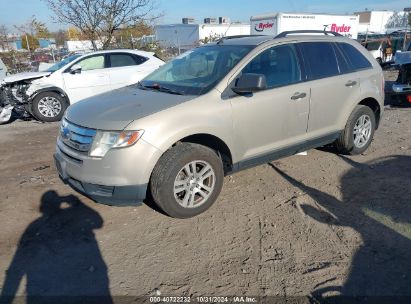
62	63
197	71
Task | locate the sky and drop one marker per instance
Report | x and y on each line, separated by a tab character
15	12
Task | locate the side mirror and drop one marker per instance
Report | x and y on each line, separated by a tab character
250	83
75	69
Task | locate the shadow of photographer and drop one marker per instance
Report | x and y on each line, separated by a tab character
59	256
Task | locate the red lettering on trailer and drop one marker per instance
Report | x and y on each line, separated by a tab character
263	26
340	29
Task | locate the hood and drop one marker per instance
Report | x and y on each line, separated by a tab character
24	76
116	109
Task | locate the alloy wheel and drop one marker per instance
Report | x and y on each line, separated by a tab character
194	184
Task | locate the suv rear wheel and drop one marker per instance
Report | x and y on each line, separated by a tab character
358	132
187	180
49	106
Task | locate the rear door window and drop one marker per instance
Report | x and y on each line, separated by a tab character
279	65
320	59
354	56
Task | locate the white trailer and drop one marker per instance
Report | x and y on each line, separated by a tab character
273	24
186	36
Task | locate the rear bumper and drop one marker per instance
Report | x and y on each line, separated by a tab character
130	195
401	89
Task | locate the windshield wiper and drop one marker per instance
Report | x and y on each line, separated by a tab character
159	88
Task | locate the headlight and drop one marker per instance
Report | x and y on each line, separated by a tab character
104	141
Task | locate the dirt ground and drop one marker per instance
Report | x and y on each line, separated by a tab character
315	225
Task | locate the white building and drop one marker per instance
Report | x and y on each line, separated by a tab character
81	45
187	36
374	21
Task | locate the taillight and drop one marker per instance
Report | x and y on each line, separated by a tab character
409	98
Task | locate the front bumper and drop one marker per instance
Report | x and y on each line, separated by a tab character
117	179
109	195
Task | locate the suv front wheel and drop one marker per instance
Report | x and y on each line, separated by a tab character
49	106
358	132
187	180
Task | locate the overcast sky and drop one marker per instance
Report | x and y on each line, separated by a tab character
18	11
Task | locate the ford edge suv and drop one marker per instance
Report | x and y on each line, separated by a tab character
218	109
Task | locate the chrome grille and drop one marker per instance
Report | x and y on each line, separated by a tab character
76	137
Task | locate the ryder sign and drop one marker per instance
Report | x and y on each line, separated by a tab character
273	24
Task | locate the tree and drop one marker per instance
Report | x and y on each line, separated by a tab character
60	36
127	36
3	37
31	31
100	19
34	27
41	29
33	42
73	33
397	20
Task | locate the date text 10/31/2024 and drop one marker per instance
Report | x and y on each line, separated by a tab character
203	299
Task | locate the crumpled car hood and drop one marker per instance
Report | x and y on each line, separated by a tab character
24	76
116	109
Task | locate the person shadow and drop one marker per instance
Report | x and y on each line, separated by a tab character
376	204
59	256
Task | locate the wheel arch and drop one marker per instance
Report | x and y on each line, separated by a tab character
51	89
213	142
374	106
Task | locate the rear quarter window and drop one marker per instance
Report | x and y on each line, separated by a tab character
354	57
122	60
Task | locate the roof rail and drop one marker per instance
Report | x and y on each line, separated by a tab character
235	37
286	33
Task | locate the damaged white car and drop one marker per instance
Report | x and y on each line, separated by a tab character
46	95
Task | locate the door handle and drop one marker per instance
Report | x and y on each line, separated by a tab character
298	96
351	83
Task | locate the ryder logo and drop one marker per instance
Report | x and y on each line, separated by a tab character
338	28
263	26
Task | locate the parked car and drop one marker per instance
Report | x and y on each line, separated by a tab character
218	109
46	95
380	51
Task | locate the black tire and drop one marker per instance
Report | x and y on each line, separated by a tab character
57	100
169	167
345	143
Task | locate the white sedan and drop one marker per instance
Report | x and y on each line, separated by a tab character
78	77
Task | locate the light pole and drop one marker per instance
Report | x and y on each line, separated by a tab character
27	42
407	10
178	42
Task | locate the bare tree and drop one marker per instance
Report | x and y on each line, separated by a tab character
398	19
4	45
100	19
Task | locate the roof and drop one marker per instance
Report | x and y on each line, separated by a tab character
249	40
255	40
137	52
